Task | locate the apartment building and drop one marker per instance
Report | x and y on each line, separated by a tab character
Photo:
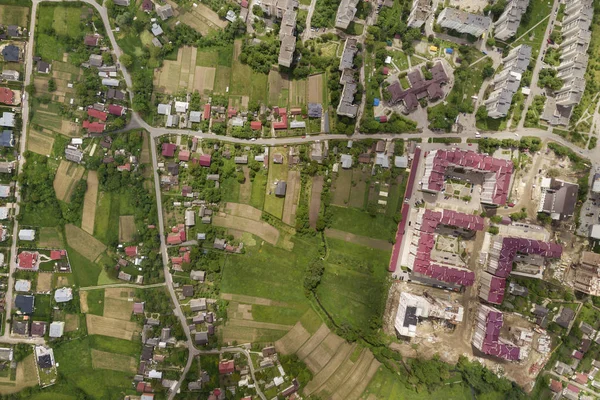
508	23
286	33
587	274
276	8
464	22
345	13
346	106
419	13
508	81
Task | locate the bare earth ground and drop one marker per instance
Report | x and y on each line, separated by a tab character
83	302
71	322
315	88
110	327
328	369
44	282
112	361
315	200
67	175
26	377
126	228
84	243
117	308
291	200
243	210
118	293
89	203
261	229
362	240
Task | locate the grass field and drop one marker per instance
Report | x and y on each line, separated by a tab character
257	198
279	86
540	11
89	203
85	271
126	228
246	82
202	19
95	301
40	143
83	242
67	176
50	238
14	15
115	362
49	48
354	276
42	306
110	206
361	223
115	328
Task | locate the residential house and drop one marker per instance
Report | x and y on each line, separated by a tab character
315	110
63	295
165	12
198	304
147	6
198	275
11	53
195	116
91	40
201	338
565	317
280	189
558	198
7	96
38	329
20	328
7	119
27	234
10	75
587	274
24	303
346	161
168	149
110	82
226	367
74	155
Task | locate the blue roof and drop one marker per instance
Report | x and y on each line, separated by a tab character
449	50
6	139
376	102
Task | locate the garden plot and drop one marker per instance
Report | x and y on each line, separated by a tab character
67	176
341	187
261	229
298	93
89	203
44	282
357	239
175	76
112	361
40	143
50	238
204	79
243	210
315	88
323	353
112	327
291	199
117	308
84	243
126	228
279	86
333	363
315	200
14	15
202	19
313	342
293	340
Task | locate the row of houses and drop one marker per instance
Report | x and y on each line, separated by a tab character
573	61
506	26
508	81
464	22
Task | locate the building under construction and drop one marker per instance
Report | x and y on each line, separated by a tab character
413	309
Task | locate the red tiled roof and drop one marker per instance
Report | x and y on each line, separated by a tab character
511	246
131	251
182	235
27	260
168	149
7	96
577	355
55	254
186	257
256	125
115	109
555	386
244	3
95	127
173	239
282	111
91	40
492	344
176	260
93	113
184	155
581	378
226	367
231	112
572	388
282	124
206	114
141	386
204	160
124	167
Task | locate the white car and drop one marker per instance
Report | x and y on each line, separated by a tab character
516	134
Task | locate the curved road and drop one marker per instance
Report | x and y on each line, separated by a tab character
138	122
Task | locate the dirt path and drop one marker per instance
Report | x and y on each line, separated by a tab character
362	240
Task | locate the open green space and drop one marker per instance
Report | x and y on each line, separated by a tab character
86	272
355	276
43	306
109	207
67	21
246	82
257	198
95	302
215	57
361	223
114	345
14	15
49	48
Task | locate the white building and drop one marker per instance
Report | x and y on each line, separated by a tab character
413	308
509	21
464	22
27	234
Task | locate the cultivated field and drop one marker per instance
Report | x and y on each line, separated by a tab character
341	187
40	143
202	19
116	328
44	282
293	340
72	322
117	308
89	203
84	243
118	293
297	93
279	86
240	298
14	15
315	88
261	229
83	303
183	74
112	361
126	228
291	199
25	377
315	200
67	176
50	238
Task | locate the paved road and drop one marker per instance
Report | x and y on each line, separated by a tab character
307	31
582	387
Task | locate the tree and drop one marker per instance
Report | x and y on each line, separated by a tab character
487	71
258	11
481	114
126	60
107	58
548	79
51	85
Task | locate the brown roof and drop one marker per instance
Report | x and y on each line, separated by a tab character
419	87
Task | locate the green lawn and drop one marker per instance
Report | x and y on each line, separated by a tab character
85	272
400	59
277	172
43	306
355	276
245	82
540	9
108	210
114	345
215	57
95	302
14	15
385	385
257	199
66	21
230	190
49	48
361	223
